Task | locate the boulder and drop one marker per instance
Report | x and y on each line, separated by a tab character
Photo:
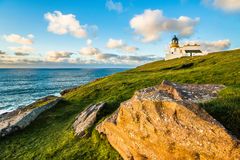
22	117
86	118
164	122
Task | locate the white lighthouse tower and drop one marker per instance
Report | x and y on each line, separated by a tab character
177	51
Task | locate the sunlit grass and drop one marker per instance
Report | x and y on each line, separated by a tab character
51	135
226	109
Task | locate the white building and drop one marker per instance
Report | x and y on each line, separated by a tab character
176	51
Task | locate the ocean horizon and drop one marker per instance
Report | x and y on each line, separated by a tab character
22	86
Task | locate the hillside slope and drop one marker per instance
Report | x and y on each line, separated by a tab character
165	122
51	135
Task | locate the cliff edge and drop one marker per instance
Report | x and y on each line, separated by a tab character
165	122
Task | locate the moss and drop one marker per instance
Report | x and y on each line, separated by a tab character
51	136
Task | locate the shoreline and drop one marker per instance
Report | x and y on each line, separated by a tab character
20	118
28	107
13	100
5	111
59	95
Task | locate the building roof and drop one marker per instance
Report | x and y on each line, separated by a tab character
193	51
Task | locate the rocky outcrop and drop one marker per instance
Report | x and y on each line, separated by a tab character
22	117
86	119
165	123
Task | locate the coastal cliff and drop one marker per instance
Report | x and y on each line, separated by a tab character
165	122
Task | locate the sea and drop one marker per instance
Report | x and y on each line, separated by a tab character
20	87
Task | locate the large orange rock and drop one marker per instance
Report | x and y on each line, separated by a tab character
164	123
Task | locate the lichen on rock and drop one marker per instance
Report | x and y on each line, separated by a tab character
165	122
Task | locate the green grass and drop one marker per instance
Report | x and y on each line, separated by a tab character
226	109
41	102
51	135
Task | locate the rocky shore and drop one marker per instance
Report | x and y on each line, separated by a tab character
22	117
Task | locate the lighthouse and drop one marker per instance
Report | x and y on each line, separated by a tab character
175	50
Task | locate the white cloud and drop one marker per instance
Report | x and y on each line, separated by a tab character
130	49
58	56
89	51
15	38
213	46
65	24
30	36
22	49
116	6
89	42
150	24
119	44
114	43
13	60
226	5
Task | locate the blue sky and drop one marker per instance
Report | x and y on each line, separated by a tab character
216	22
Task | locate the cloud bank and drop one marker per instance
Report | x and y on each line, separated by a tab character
17	59
152	23
98	56
213	46
22	49
58	56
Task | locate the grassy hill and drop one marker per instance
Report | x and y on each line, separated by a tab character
51	135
